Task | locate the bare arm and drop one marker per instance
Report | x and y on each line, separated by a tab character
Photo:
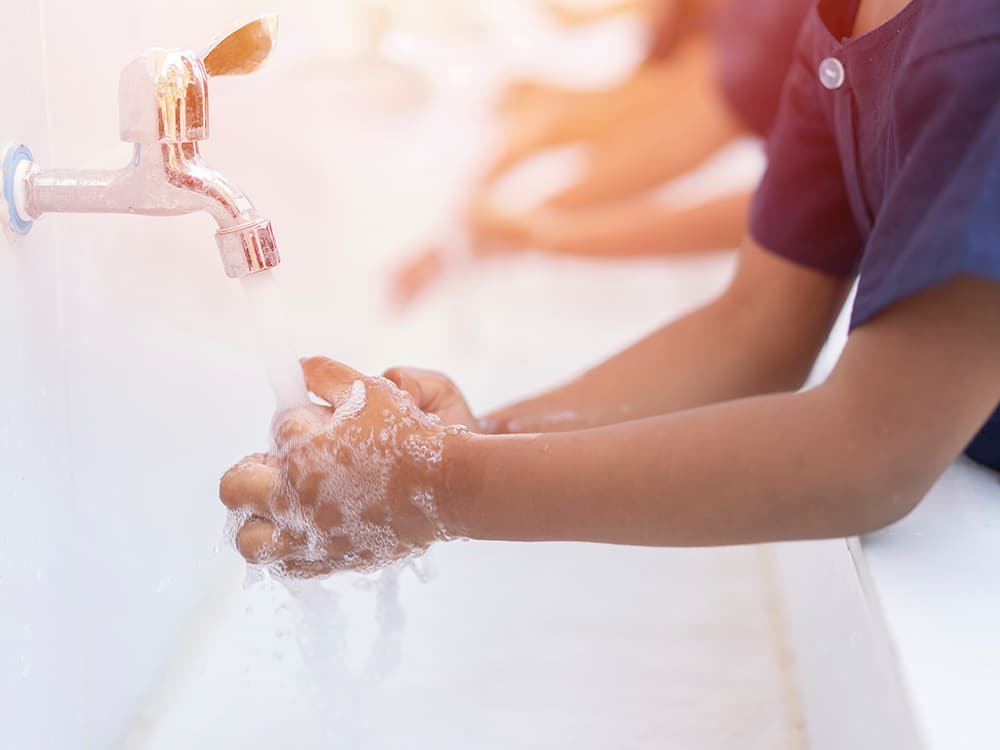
633	227
761	336
665	120
848	457
672	128
570	15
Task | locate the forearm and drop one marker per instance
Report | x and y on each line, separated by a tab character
744	343
694	361
671	132
545	116
642	227
847	457
755	470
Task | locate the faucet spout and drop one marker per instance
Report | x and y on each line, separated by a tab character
162	179
201	188
245	239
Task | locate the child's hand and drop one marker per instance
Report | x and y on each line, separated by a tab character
351	486
436	394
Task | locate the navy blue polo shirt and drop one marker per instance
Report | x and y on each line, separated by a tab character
884	161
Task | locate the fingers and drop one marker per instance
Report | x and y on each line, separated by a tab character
334	562
260	541
247	485
434	393
329	380
295	426
409	379
305	568
429	390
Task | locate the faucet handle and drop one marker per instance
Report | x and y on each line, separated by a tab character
244	50
163	94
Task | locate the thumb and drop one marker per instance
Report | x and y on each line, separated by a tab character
434	393
329	380
410	380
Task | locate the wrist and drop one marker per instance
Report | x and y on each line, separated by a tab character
491	424
461	483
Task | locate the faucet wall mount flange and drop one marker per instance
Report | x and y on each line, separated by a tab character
16	160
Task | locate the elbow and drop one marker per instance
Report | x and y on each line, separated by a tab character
873	475
791	371
882	510
781	369
882	490
856	512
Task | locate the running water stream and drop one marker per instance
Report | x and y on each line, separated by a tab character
337	691
270	327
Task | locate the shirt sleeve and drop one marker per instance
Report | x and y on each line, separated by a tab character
801	210
754	44
941	215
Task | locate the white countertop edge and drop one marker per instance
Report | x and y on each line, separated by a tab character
935	579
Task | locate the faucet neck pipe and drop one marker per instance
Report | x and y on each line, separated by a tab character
162	179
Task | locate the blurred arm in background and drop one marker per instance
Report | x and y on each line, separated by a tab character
572	15
639	227
713	72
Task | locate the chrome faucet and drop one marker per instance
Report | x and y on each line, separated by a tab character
163	109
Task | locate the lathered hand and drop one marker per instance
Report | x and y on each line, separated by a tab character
353	485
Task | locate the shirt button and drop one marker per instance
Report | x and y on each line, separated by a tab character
831	73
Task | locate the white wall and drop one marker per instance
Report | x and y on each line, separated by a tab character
127	386
37	577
